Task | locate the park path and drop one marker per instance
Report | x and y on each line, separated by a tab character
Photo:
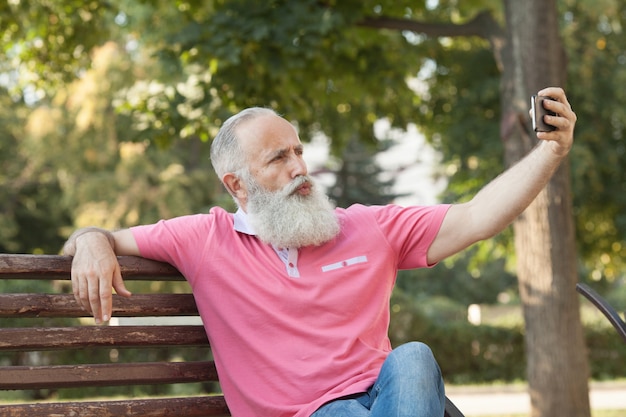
507	400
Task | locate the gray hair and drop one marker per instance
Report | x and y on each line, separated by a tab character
226	152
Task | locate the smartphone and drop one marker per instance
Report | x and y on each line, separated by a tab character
537	112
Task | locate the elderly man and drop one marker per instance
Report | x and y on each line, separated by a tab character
293	293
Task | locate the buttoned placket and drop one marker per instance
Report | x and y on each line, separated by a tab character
289	256
290	259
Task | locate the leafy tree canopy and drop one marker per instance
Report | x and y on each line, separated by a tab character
187	65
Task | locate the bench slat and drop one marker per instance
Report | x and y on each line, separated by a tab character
105	375
64	305
50	338
213	406
41	337
53	267
58	267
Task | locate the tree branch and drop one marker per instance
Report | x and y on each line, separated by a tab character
482	25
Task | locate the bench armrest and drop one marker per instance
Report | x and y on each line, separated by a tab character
451	410
604	307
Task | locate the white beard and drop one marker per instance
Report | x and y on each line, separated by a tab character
286	219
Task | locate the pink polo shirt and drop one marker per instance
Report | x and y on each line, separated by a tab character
291	333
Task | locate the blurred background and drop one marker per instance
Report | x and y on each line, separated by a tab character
109	109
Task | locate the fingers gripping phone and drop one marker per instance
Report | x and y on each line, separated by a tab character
537	112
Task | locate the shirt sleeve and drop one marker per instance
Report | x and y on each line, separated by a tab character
411	231
175	241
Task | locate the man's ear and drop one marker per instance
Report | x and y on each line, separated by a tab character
235	186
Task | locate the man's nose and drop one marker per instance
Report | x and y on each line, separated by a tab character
298	166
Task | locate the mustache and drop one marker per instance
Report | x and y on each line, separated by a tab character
293	186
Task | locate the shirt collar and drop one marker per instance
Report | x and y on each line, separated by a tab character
288	256
241	223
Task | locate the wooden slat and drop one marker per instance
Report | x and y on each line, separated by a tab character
52	267
64	305
208	406
105	375
50	338
58	267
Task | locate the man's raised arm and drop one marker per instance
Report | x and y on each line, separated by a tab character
95	270
506	197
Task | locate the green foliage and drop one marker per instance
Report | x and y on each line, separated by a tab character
461	117
49	42
110	107
469	354
466	353
358	179
458	110
460	281
594	35
190	64
606	349
76	164
30	209
309	66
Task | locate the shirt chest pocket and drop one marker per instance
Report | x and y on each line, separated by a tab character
346	263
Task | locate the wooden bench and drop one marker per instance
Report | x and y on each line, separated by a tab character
81	335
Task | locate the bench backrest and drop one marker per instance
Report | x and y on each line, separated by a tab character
38	336
41	336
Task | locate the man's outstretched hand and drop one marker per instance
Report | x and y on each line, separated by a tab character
562	138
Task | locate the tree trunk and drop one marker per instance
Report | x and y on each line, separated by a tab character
544	234
531	56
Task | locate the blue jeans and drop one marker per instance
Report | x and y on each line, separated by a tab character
409	385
